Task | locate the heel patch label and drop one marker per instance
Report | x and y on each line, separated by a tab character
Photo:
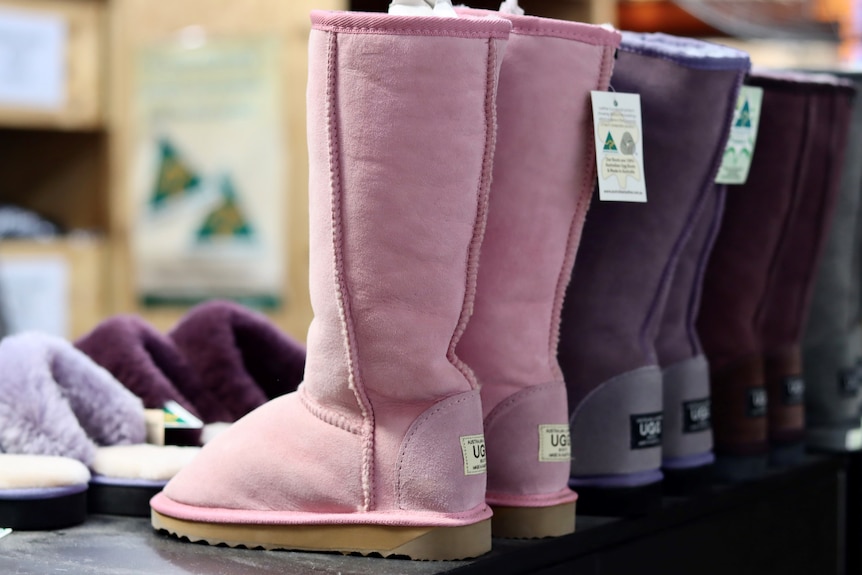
849	381
696	415
646	430
756	404
793	390
473	450
555	443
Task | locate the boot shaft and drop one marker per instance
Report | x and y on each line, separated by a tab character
628	251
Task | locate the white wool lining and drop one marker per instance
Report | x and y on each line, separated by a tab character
39	471
142	461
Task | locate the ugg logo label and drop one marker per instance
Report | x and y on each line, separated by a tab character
555	443
696	415
645	430
756	402
793	390
849	381
473	450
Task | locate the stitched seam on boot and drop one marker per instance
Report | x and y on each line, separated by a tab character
481	215
414	428
327	416
700	273
577	224
334	28
341	293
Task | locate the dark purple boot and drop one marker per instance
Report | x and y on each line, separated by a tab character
788	296
625	263
740	276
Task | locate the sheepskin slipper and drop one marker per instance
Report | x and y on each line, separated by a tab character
126	477
40	492
242	360
54	400
147	362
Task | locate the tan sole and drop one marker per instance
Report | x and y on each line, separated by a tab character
420	543
533	522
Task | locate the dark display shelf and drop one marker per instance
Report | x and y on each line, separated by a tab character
792	521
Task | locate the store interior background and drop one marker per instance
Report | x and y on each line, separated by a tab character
75	162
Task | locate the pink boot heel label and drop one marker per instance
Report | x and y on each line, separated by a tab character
473	449
555	443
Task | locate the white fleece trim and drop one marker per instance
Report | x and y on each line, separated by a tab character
37	471
142	461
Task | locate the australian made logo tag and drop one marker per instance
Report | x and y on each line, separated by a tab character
736	161
555	443
646	430
618	134
696	415
473	450
756	406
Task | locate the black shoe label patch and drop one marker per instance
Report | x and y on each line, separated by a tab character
646	430
696	415
849	380
756	402
793	390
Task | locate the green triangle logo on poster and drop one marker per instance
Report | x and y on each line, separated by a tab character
174	179
609	143
226	220
744	120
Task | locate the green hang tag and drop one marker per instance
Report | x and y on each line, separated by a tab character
736	160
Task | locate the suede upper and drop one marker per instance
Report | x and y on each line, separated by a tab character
628	251
399	180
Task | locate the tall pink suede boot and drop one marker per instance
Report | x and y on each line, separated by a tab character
544	173
381	448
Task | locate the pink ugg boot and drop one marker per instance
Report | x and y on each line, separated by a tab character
381	448
544	173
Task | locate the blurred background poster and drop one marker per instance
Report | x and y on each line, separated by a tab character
208	171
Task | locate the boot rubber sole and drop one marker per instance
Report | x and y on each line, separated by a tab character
533	522
418	543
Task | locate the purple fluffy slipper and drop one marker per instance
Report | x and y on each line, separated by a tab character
54	400
147	363
241	358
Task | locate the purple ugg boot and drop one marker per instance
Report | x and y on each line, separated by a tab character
625	264
741	290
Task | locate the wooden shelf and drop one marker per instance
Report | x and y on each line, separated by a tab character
85	51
